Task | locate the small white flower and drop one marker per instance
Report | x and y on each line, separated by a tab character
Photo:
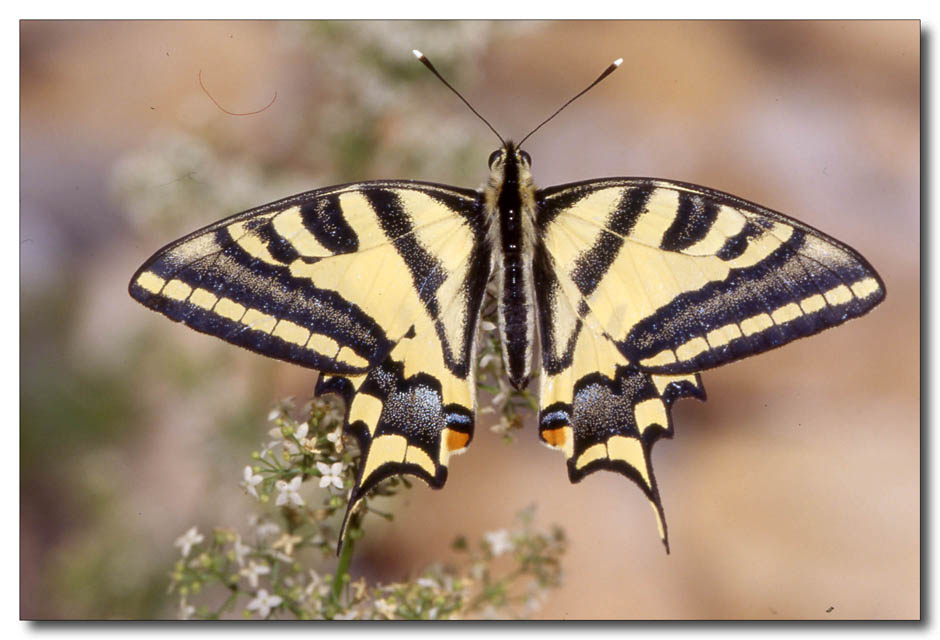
501	426
488	326
300	434
486	359
253	570
498	541
385	608
266	529
427	583
316	586
500	399
263	603
491	613
186	610
352	614
532	604
266	449
250	480
359	589
331	474
336	437
278	439
290	447
287	542
280	411
288	492
282	440
283	557
241	550
310	444
186	541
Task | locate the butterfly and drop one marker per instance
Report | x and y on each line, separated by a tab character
623	289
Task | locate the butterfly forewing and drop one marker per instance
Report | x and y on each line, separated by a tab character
307	279
683	278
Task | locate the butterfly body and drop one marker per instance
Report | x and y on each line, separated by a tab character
510	201
629	286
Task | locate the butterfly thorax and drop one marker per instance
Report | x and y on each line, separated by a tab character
510	203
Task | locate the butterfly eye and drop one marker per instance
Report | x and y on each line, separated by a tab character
526	158
494	157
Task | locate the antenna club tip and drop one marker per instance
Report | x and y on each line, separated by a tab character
618	62
417	54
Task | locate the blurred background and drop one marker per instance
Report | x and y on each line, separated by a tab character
792	493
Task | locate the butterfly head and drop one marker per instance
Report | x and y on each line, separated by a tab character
509	152
510	165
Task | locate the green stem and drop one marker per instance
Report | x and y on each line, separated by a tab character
345	557
225	605
499	586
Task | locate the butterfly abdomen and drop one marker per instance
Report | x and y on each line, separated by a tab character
513	202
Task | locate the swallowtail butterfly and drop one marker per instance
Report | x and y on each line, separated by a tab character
629	286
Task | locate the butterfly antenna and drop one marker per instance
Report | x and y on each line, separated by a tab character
609	70
424	60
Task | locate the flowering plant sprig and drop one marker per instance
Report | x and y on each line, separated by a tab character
273	569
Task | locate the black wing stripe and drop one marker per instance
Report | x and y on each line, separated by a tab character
426	271
737	244
323	219
593	264
694	218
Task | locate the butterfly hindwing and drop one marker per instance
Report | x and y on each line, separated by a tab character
643	283
683	278
379	285
594	407
614	423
